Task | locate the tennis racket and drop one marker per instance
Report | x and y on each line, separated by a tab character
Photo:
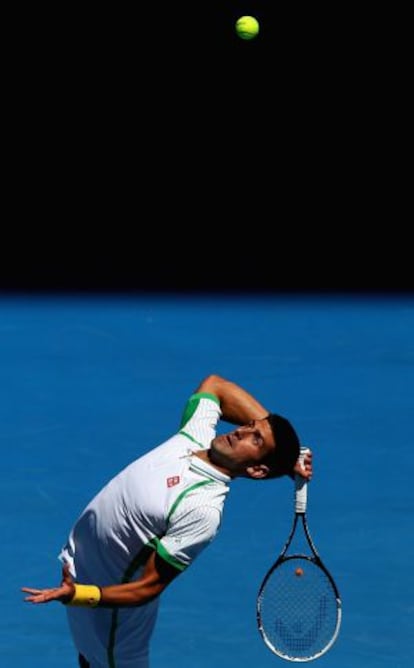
299	608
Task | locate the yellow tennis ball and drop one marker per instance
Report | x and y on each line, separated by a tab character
247	27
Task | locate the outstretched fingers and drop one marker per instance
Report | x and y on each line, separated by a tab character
63	593
41	595
29	590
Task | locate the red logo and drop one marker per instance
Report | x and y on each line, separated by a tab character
174	480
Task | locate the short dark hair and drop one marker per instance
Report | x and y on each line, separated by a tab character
285	455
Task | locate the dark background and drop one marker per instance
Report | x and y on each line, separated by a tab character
153	149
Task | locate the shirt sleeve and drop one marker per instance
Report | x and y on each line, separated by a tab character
200	418
189	534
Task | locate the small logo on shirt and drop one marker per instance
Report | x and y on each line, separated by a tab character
174	480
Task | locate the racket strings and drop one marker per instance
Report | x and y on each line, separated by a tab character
298	609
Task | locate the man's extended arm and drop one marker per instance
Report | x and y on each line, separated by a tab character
156	577
238	406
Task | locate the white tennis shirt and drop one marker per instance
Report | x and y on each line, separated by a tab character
167	500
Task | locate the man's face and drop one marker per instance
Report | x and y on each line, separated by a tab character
245	446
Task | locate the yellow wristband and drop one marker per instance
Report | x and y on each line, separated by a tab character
86	595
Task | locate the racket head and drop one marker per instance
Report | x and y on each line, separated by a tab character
299	609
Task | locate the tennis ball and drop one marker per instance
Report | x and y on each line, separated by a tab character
247	27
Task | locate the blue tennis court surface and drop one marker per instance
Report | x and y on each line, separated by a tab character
88	384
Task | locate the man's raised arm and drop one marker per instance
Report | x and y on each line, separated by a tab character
238	406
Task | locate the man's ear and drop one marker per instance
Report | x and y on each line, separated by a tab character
257	471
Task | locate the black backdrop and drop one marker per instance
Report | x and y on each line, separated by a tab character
152	149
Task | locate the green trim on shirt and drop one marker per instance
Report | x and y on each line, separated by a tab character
184	493
191	438
192	404
140	559
162	552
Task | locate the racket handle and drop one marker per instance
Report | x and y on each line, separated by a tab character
301	487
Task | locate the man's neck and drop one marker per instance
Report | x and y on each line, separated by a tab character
205	456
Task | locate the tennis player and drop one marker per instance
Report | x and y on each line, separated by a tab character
150	522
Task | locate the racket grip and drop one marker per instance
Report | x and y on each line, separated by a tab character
301	487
